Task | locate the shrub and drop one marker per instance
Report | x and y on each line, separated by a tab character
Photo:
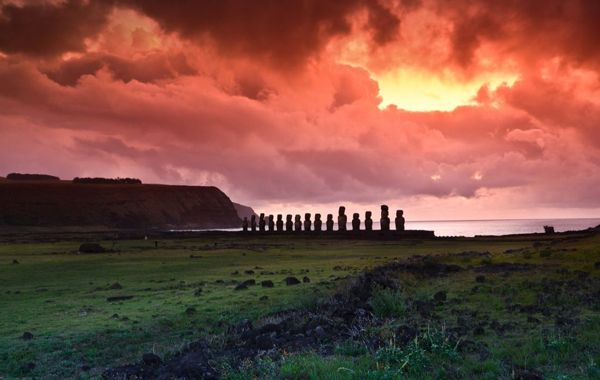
388	303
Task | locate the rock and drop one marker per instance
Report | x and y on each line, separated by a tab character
305	279
480	278
27	336
596	264
267	284
85	367
320	332
119	298
198	292
190	311
440	296
479	330
291	281
527	374
115	316
249	271
28	367
405	334
15	261
241	286
263	298
235	273
151	359
116	285
91	248
531	319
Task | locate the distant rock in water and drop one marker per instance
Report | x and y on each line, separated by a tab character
31	177
244	211
63	203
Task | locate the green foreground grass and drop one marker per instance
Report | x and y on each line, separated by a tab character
61	298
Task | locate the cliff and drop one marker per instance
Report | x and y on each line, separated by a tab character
64	203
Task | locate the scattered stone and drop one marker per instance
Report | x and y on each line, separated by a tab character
267	284
27	336
27	367
151	359
91	248
235	273
597	265
440	296
263	298
249	272
291	281
480	278
198	292
115	316
305	279
116	285
15	261
85	368
520	373
320	332
190	311
118	298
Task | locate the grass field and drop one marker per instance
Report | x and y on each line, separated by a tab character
184	290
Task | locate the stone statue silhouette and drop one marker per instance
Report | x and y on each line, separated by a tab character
289	225
253	223
318	222
261	223
297	223
368	221
329	223
307	222
385	218
271	223
342	218
279	223
245	224
356	222
399	220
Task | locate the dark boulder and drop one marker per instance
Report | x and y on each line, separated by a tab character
440	296
91	248
151	359
267	284
291	281
27	335
305	279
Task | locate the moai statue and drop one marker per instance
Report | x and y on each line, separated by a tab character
245	224
399	220
289	225
261	222
329	222
271	223
368	221
385	218
297	223
318	222
356	222
307	222
342	219
279	223
253	223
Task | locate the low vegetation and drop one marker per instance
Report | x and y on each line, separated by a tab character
519	307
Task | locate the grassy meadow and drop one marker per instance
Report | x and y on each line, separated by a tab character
184	290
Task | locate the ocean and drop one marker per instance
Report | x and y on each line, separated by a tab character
471	228
500	226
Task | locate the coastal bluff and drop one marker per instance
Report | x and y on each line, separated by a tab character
66	203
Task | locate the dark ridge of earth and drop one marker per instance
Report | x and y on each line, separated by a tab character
337	318
64	203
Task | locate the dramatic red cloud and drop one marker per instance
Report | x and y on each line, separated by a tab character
448	109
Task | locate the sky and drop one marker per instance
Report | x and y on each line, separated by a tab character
468	109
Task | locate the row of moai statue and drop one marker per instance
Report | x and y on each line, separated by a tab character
269	224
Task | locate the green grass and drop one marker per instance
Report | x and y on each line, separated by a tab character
60	297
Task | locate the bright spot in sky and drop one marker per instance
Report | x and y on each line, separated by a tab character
413	90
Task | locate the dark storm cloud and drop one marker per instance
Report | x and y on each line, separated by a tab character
47	29
284	32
